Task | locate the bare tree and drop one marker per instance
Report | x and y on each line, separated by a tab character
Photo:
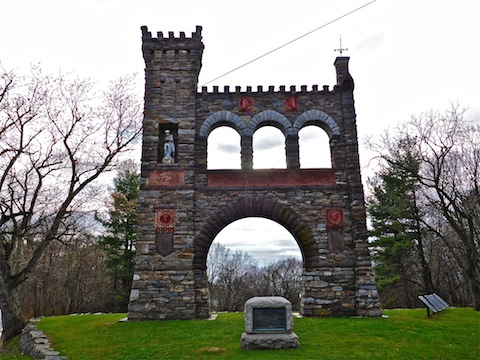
448	150
228	272
70	278
285	279
234	277
57	136
230	275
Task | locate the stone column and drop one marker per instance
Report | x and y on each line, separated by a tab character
247	152
293	152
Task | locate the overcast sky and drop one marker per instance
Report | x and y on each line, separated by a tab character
406	56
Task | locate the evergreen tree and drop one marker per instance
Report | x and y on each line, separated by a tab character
397	223
119	241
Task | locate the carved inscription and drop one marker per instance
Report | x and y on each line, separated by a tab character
269	319
166	178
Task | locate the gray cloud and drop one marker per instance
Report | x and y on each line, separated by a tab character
269	143
313	134
228	148
265	256
286	245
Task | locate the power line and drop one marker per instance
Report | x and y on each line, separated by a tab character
291	41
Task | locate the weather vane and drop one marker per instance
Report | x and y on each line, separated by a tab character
341	50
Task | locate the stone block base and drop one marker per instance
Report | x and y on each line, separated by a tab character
269	341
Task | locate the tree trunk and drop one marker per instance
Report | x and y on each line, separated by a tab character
426	272
474	286
476	296
11	315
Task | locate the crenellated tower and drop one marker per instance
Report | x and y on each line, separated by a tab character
163	286
172	66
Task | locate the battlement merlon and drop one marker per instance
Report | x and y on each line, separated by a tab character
187	48
344	79
171	42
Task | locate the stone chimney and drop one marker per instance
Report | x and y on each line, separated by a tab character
344	79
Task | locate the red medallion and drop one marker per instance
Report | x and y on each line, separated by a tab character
291	104
335	219
245	104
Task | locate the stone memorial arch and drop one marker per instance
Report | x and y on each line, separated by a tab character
183	206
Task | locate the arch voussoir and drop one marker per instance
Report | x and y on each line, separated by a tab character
220	117
251	206
320	118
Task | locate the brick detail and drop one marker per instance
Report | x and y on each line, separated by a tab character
165	178
272	178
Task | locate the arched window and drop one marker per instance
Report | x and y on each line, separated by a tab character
314	145
269	148
223	149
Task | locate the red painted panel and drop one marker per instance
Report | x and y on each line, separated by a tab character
165	220
165	178
271	177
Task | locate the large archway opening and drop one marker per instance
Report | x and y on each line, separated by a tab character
253	257
265	240
247	207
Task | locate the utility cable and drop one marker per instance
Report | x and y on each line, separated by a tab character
291	41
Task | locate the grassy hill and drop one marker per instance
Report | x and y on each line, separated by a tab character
405	334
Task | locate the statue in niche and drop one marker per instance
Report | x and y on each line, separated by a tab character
168	148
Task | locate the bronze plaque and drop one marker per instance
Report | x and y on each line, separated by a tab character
269	319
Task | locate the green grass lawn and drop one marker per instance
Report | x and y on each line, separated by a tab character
406	334
12	351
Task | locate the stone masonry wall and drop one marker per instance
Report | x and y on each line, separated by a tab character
183	205
34	343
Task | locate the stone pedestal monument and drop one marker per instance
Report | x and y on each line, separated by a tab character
268	324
